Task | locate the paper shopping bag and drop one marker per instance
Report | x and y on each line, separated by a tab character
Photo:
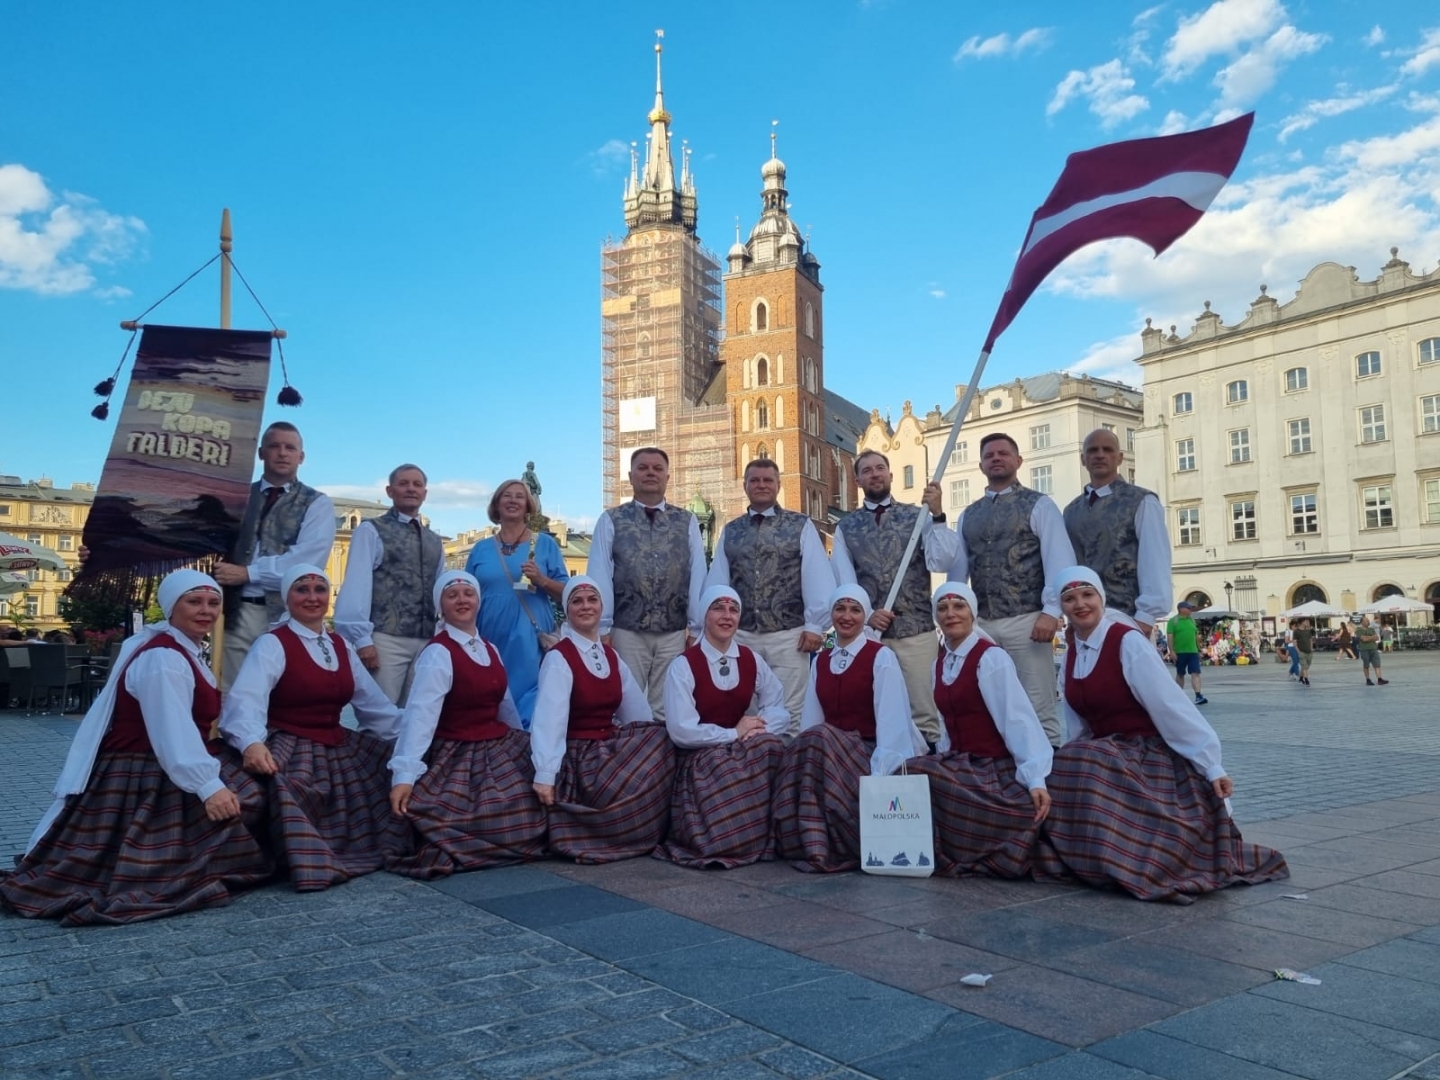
896	835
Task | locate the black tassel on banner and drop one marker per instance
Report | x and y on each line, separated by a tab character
288	396
105	388
101	411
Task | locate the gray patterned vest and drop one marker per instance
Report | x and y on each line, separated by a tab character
400	598
276	534
875	552
765	570
1006	570
652	568
1105	539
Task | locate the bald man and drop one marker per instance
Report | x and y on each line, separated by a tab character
1118	530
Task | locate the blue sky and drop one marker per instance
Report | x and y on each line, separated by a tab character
420	195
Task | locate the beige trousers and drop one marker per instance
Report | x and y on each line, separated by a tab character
397	664
1034	663
791	667
250	622
648	657
917	663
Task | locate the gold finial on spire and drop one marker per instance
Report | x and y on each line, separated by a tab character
658	115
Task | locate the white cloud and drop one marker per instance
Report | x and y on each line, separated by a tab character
1376	36
1137	44
1422	102
1315	111
1251	75
444	494
1107	89
609	157
1366	195
1426	56
977	48
1113	359
1175	121
49	245
1222	29
934	289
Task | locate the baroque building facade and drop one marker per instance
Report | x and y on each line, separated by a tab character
1298	451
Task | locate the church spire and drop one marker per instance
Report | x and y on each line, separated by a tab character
656	200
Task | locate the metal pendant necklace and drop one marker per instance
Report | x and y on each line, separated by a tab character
324	649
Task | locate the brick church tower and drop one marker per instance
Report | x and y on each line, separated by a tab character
773	352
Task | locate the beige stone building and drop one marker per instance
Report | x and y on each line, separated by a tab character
1047	415
54	517
1298	451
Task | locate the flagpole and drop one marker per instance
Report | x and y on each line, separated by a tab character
920	519
227	244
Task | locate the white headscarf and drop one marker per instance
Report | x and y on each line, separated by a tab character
574	583
716	592
290	577
80	759
448	578
1077	575
960	589
852	592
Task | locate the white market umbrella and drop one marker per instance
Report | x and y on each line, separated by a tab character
1395	605
1217	612
12	582
17	554
1315	609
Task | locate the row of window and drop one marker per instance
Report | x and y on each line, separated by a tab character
1370	418
1042	479
760	318
1377	506
1039	440
63	542
1367	365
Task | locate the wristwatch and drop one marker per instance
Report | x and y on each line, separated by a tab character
940	517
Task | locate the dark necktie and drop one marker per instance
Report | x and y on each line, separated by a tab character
419	544
272	496
880	512
757	519
1092	498
650	512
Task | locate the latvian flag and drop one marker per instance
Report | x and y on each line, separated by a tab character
1153	190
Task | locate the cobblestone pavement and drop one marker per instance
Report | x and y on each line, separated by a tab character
642	969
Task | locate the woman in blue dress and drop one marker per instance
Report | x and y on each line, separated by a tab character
512	620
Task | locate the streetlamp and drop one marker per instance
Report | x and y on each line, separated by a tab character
1228	590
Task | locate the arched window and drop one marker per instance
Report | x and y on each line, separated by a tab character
809	319
762	416
1305	592
762	372
642	347
1382	591
762	451
1199	599
762	316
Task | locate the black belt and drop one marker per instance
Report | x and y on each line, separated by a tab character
252	599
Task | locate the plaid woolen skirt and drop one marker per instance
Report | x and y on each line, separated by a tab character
817	799
720	804
474	807
1131	812
133	846
612	797
984	819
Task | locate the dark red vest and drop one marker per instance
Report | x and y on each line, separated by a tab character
972	729
471	710
848	699
593	700
307	700
127	734
1103	698
723	708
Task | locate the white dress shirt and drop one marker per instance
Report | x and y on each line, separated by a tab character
1152	601
937	542
434	676
601	567
247	703
312	545
352	605
683	721
551	721
897	739
1172	712
817	576
1056	551
1009	707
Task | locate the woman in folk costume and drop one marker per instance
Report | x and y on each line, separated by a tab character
855	722
725	709
987	777
602	766
461	774
146	822
1139	794
330	814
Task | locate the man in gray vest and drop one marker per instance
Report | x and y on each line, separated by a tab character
775	560
285	523
1118	530
385	608
1012	542
868	545
648	560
